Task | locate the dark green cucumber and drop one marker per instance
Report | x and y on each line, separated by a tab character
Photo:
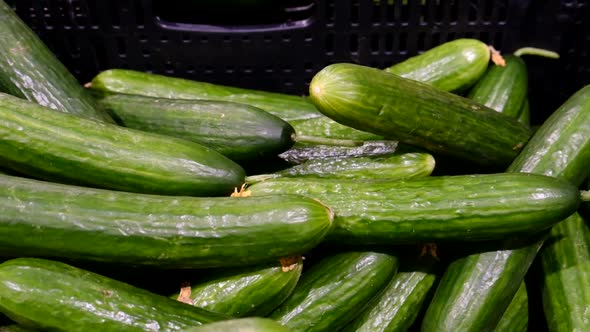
399	304
301	153
240	132
248	324
503	88
54	296
451	66
389	167
334	290
65	148
53	220
524	116
416	113
516	316
29	70
559	148
565	259
460	207
251	291
286	107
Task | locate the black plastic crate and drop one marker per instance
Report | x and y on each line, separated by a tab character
280	45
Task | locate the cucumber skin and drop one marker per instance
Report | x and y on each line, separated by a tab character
29	70
301	153
238	131
52	220
64	148
451	66
249	324
559	148
323	126
503	89
334	290
461	207
565	259
253	291
286	107
417	114
53	295
516	316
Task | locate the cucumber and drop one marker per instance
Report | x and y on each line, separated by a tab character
516	316
334	290
525	113
52	220
51	295
503	88
251	291
286	107
417	114
239	132
29	70
458	208
399	304
390	167
301	153
64	148
452	66
565	260
248	324
559	148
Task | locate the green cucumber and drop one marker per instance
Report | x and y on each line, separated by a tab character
53	220
51	295
503	88
565	259
251	291
64	148
559	148
334	290
286	107
417	114
399	304
524	116
452	66
389	167
248	324
516	316
301	153
459	207
239	132
29	70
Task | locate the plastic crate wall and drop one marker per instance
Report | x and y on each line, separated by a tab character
89	36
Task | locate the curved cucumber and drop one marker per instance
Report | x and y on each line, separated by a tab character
516	316
461	207
416	113
451	66
397	166
64	148
29	70
559	148
503	88
54	296
52	220
248	324
252	291
286	107
398	305
239	132
334	290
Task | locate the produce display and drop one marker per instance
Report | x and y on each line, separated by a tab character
415	197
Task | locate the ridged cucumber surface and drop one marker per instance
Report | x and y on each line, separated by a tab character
64	148
417	114
29	70
51	295
476	289
52	220
238	131
248	324
334	290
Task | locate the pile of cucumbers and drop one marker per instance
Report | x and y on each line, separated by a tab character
417	197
